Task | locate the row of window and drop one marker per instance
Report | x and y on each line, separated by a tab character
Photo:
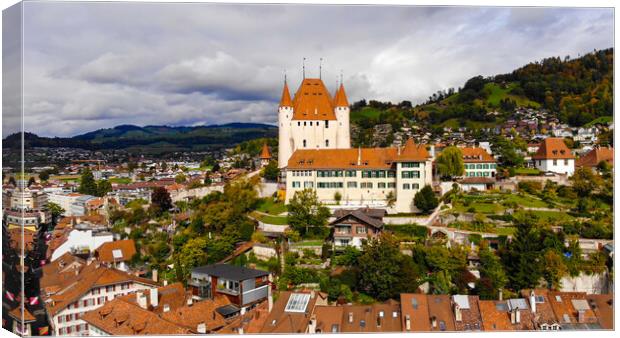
478	174
363	185
481	166
305	144
310	122
331	185
73	329
411	164
297	173
410	174
414	186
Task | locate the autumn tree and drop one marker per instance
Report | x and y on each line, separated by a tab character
450	162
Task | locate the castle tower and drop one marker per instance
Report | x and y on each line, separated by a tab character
285	114
342	111
312	120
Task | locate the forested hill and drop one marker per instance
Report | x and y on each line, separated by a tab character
579	90
152	138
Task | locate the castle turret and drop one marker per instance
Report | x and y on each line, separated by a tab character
342	111
285	114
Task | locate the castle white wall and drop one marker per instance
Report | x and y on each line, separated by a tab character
561	166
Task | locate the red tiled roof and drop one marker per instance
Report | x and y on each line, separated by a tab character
553	148
476	155
127	249
313	102
595	156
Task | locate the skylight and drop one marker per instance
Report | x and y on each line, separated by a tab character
297	302
117	254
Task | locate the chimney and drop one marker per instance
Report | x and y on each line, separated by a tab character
202	328
190	301
154	296
165	282
518	315
581	316
501	294
240	330
155	275
433	322
166	308
458	316
141	299
359	155
312	294
312	324
533	301
350	317
408	323
515	316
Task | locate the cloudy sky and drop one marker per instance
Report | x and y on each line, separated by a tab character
95	65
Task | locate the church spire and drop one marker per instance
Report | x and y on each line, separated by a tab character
286	101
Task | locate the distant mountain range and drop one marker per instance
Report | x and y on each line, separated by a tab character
151	139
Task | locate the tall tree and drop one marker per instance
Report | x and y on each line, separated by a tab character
271	171
88	185
306	214
425	199
523	259
450	162
161	200
103	187
383	271
492	269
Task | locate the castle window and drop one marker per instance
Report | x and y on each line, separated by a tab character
326	124
304	141
326	143
310	123
304	123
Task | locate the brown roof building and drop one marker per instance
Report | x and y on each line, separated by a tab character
379	317
114	252
595	156
553	148
415	314
361	158
573	310
440	313
466	313
292	311
506	315
603	307
543	316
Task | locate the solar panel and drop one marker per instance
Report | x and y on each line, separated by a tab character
501	307
462	301
519	303
540	299
297	302
117	253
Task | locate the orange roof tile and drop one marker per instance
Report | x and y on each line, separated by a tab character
340	99
127	249
264	154
476	155
361	158
415	310
563	304
16	313
603	307
286	101
595	156
313	102
553	148
119	317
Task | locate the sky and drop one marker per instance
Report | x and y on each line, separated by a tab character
97	65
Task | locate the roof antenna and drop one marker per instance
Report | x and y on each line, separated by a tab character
303	67
320	66
285	76
341	77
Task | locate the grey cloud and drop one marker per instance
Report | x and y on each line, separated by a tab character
105	64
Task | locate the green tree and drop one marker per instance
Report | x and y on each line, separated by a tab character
450	162
585	182
88	185
523	259
160	200
306	214
337	197
425	199
193	254
103	187
271	171
379	267
491	268
390	199
44	175
180	178
554	268
56	210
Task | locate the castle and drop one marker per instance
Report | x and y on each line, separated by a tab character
314	151
312	119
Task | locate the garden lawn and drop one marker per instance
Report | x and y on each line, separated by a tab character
527	171
269	206
277	220
557	216
526	200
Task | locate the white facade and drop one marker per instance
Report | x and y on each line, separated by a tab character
68	322
297	130
364	187
82	240
73	204
559	166
488	169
